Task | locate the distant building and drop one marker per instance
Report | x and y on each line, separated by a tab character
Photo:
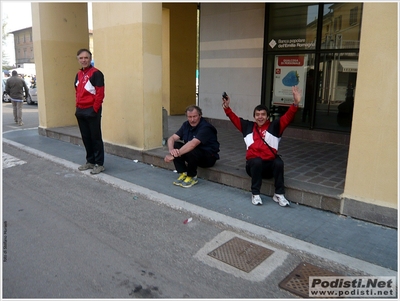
23	46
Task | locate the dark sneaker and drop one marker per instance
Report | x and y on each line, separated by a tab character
189	181
179	181
86	166
97	169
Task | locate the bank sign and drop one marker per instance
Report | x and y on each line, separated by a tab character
291	43
289	71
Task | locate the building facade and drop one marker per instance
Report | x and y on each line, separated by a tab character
23	46
254	52
317	44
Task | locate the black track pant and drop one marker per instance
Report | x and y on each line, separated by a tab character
190	161
259	169
90	126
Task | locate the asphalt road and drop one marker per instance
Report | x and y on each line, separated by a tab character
70	236
30	117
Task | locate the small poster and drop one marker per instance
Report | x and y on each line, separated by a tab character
290	70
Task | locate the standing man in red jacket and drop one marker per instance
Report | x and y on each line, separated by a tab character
262	139
89	88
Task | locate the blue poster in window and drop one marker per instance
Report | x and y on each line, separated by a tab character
289	71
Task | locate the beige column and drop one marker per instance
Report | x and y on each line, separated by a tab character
372	164
127	40
166	55
183	50
59	30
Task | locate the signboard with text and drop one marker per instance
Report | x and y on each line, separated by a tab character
289	71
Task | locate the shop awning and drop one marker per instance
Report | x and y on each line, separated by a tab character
348	66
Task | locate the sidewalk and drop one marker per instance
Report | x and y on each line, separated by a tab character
357	239
314	171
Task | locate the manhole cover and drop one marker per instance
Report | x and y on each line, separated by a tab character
241	254
297	281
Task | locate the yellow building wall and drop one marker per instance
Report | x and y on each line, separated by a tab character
373	154
56	41
127	40
183	49
166	84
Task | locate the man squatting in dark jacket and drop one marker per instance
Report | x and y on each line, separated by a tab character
262	160
200	147
89	88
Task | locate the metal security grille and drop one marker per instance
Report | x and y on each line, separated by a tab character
241	254
297	281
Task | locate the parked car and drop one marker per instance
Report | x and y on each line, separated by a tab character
32	98
6	97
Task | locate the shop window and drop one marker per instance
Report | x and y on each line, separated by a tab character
344	34
292	26
336	93
325	67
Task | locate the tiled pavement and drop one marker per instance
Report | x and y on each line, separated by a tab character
309	165
313	170
321	166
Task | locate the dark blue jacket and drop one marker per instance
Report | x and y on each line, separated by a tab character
205	132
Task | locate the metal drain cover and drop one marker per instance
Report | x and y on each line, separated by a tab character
241	254
297	281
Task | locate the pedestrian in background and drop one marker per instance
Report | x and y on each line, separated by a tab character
200	147
262	140
17	89
89	88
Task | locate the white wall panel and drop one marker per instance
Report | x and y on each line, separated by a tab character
231	50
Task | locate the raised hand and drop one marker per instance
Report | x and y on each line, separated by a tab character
226	101
296	94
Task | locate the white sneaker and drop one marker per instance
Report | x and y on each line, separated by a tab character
256	200
280	198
